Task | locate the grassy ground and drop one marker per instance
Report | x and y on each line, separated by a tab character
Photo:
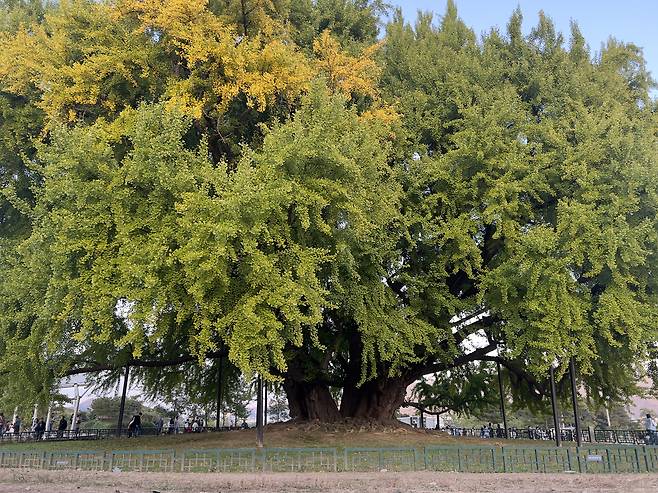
281	435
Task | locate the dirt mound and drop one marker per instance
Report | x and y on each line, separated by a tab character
349	426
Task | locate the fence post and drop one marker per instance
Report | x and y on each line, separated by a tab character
637	458
537	459
646	459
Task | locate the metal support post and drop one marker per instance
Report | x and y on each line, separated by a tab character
554	406
220	364
502	400
122	406
265	403
259	412
574	397
76	408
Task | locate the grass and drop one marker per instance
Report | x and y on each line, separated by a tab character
280	435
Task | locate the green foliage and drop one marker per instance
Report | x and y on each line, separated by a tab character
277	406
238	399
460	392
181	178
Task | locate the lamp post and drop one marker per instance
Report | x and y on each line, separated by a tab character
556	421
574	397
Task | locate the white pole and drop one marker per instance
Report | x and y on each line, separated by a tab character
13	420
34	416
77	406
50	408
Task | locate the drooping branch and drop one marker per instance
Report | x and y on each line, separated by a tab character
520	373
95	368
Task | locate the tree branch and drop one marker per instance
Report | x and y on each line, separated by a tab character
477	355
95	368
425	410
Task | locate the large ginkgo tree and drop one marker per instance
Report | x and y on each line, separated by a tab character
341	214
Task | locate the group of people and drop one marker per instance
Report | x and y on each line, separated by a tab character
38	427
7	426
485	431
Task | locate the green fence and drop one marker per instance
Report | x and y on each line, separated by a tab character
589	459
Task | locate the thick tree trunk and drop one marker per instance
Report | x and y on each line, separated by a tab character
376	400
310	401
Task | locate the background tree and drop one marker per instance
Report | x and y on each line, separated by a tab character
277	407
460	392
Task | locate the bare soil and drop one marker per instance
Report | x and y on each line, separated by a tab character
35	481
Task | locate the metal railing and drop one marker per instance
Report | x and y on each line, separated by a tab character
586	459
622	437
100	433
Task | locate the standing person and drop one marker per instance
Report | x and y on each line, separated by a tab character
39	429
17	425
138	424
61	428
171	426
160	425
650	426
3	423
131	427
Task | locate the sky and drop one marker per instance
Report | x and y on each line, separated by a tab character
633	21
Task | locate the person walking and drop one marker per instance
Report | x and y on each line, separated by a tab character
17	425
650	427
61	428
39	429
159	425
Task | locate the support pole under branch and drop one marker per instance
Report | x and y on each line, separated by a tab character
122	406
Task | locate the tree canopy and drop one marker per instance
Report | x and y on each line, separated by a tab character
183	180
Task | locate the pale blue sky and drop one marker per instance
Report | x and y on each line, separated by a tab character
629	20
